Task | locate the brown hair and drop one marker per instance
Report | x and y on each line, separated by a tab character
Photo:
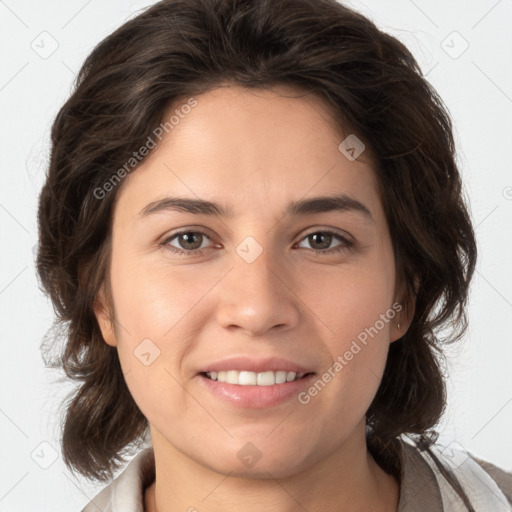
180	48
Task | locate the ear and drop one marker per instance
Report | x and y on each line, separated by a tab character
105	319
404	309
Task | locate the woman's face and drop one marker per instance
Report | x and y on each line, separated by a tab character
242	288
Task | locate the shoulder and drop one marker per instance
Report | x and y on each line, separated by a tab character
126	491
502	478
426	476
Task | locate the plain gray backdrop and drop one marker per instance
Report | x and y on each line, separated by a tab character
463	47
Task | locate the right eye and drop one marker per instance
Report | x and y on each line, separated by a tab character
186	242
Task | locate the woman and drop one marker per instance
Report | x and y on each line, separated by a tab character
253	227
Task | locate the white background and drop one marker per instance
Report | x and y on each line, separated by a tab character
477	88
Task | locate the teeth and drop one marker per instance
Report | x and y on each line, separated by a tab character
245	378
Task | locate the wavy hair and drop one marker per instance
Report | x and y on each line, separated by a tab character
374	88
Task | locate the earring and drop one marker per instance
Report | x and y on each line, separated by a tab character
398	325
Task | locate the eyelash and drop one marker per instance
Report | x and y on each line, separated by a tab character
345	243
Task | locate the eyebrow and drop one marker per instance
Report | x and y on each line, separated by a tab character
320	204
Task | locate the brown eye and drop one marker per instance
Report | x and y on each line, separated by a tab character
190	240
187	241
321	242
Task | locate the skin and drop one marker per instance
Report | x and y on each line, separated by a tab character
254	152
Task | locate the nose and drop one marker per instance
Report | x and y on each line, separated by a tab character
258	297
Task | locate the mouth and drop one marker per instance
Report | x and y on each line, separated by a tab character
255	390
255	382
249	378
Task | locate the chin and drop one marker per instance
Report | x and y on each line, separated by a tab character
258	460
262	470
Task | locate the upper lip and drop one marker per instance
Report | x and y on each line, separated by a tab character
254	364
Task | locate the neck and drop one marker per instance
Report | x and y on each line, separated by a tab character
349	479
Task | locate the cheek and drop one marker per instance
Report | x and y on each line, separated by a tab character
154	300
157	316
350	298
356	309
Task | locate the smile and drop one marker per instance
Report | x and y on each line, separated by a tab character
247	378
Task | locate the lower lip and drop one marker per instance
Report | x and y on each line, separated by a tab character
256	397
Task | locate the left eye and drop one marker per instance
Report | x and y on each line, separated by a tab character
323	239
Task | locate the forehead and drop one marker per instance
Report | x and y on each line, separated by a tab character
249	148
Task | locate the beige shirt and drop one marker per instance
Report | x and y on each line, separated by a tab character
421	487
